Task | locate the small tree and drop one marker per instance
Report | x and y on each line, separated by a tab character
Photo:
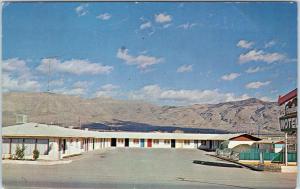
36	154
20	152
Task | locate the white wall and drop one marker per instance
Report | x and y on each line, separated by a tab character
72	147
232	144
164	143
120	142
50	151
204	146
156	145
53	150
188	144
278	148
179	144
5	147
134	145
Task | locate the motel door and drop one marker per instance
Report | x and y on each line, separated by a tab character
113	142
173	142
93	143
149	143
64	146
142	143
126	142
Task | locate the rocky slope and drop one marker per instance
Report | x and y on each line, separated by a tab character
238	116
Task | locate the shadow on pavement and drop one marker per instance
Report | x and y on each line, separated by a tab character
218	164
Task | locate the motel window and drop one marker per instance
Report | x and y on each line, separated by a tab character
156	141
43	146
120	140
136	141
6	145
167	141
186	142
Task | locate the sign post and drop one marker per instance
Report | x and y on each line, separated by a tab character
286	150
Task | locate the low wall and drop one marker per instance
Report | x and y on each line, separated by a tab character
289	169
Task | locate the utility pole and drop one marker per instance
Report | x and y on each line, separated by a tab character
48	84
48	88
79	123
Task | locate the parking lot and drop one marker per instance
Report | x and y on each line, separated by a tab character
142	168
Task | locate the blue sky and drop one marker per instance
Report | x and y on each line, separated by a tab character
166	53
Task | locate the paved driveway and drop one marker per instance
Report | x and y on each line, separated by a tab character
142	168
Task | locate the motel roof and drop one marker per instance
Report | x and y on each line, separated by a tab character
43	130
269	141
283	99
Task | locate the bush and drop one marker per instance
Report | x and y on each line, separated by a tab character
36	154
20	152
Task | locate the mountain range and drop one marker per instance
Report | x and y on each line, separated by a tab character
251	115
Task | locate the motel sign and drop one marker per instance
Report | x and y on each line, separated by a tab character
288	124
288	121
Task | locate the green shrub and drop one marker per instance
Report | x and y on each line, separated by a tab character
20	152
36	154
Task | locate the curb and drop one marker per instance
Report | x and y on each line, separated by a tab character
241	164
21	162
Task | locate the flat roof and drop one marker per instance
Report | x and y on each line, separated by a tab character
43	130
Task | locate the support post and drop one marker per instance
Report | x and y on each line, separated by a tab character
286	150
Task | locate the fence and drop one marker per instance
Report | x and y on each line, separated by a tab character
253	154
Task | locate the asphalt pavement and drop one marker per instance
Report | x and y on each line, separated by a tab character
128	168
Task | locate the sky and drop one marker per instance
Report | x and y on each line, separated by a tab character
167	53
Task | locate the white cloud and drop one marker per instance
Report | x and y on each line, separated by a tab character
254	69
107	90
17	76
185	68
230	76
162	18
58	82
74	66
145	25
141	61
72	91
183	97
78	88
245	44
10	83
104	16
270	44
260	55
274	91
144	52
82	10
14	64
257	84
16	67
187	26
166	26
265	98
82	84
109	87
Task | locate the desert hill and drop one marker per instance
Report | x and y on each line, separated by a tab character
237	116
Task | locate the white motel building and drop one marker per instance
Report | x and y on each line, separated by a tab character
55	142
